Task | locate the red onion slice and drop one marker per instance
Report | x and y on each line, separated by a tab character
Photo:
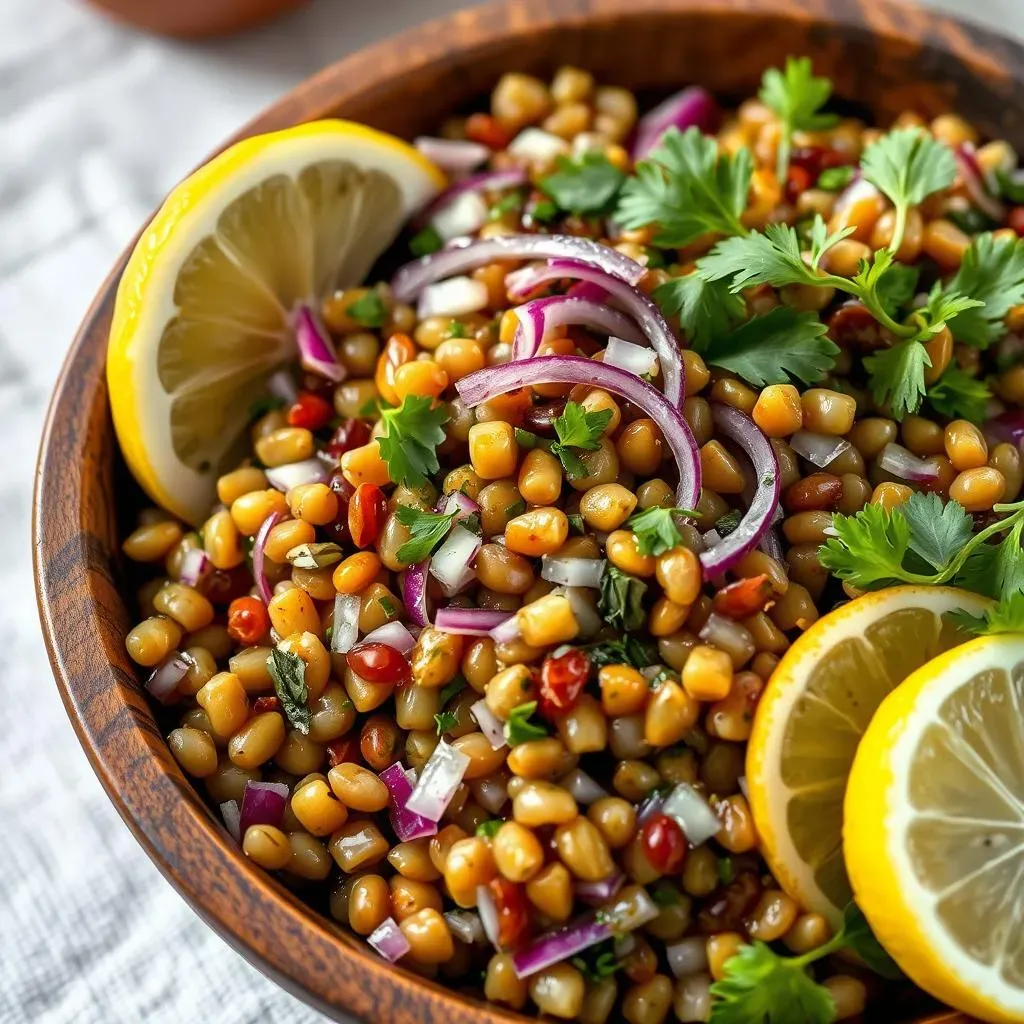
975	183
407	825
693	107
736	426
263	803
388	940
441	777
195	567
596	893
456	503
540	319
469	621
646	314
498	380
456	155
164	679
771	544
507	631
231	815
394	634
487	908
345	630
295	474
259	555
490	725
692	814
414	277
414	593
1007	426
900	462
587	290
316	353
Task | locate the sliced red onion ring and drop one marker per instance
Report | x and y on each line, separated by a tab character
316	353
259	555
490	725
407	825
195	567
414	277
975	183
687	956
587	290
596	893
441	777
295	474
740	428
414	593
636	358
498	380
455	296
540	319
902	463
692	814
537	146
583	788
465	926
507	631
469	621
487	908
572	572
345	630
388	940
263	803
394	634
462	506
231	815
692	107
456	155
821	449
164	679
630	299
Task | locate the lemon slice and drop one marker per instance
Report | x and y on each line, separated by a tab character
812	715
202	314
934	830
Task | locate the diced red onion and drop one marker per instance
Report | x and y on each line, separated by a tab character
388	940
507	631
582	787
195	567
635	358
164	679
414	593
650	807
711	538
487	908
739	427
295	474
821	449
490	725
414	277
469	621
282	385
490	793
465	926
537	146
596	893
498	380
687	956
259	555
263	803
463	214
692	107
975	184
585	290
231	816
456	155
646	314
572	572
394	634
407	825
462	506
345	630
441	777
316	353
584	611
455	296
540	319
902	463
1007	426
451	565
692	814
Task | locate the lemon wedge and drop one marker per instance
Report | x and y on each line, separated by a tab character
812	715
202	315
934	827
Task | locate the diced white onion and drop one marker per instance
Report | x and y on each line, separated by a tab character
688	956
634	358
490	725
711	538
345	629
394	634
820	449
582	787
465	925
692	814
537	146
455	297
631	912
451	564
488	912
465	214
572	572
440	778
584	610
295	474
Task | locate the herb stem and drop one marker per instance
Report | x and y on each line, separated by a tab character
871	302
782	158
898	228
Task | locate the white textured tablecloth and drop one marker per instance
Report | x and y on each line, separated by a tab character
96	123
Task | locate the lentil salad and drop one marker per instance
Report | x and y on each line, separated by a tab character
474	637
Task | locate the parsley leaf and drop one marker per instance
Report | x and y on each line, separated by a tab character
426	531
489	829
726	871
959	396
706	309
576	523
368	310
511	203
937	530
908	165
897	376
424	242
587	184
943	306
412	433
993	272
687	188
577	428
445	720
1005	617
897	287
796	96
835	179
519	728
770	349
656	530
621	599
289	674
626	651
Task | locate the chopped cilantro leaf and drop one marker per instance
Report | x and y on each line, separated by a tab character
368	310
289	674
489	829
992	271
512	203
627	651
959	396
425	242
727	523
621	599
835	179
412	433
598	963
578	429
426	531
449	690
585	185
706	309
576	523
445	721
1005	617
519	728
656	530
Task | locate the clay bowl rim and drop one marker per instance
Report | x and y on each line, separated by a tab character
84	619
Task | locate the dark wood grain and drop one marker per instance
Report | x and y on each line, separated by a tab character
880	56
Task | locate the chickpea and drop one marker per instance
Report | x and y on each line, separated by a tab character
435	658
518	854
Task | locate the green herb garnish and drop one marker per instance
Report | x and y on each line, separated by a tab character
959	396
424	242
368	310
835	179
598	964
445	721
726	871
519	728
289	674
706	309
1006	617
627	651
489	829
727	523
656	530
993	272
512	203
576	523
449	690
578	429
621	599
426	531
585	185
412	433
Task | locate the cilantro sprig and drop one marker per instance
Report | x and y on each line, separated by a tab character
959	396
656	529
519	728
412	433
577	429
993	272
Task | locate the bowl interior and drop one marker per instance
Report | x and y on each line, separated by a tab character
882	59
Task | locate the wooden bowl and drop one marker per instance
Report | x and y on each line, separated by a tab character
194	19
882	56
